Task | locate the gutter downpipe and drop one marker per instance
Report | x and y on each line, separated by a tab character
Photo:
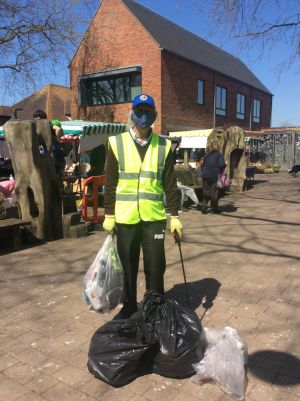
250	117
214	110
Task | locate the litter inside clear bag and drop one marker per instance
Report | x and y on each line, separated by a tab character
224	362
103	282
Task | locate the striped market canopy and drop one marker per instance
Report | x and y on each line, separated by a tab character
83	128
90	134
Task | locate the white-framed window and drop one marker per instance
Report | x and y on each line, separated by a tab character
240	106
256	111
200	99
221	95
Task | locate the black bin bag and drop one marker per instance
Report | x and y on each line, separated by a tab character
177	331
162	337
116	353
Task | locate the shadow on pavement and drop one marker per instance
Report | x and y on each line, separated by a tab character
289	223
277	199
201	292
229	208
27	241
285	367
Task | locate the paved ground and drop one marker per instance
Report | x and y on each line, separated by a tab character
243	269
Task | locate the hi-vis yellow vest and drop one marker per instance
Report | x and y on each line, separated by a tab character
139	194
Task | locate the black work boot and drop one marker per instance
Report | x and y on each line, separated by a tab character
204	209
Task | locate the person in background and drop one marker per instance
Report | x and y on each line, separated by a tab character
39	115
193	154
212	165
139	171
60	162
56	127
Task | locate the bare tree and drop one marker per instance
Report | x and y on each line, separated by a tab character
38	38
260	23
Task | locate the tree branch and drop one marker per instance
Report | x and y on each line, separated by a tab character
271	28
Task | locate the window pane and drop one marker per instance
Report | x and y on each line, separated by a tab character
105	92
135	85
256	110
240	107
122	90
94	93
200	92
221	101
115	89
221	112
218	98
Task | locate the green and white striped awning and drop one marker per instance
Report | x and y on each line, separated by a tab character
83	128
91	134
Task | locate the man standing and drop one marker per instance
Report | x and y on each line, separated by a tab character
139	171
212	165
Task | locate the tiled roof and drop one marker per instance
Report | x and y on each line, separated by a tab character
173	38
55	100
6	111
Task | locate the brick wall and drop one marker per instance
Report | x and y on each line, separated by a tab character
114	40
179	97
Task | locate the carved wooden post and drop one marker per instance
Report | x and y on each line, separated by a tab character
37	187
235	153
232	145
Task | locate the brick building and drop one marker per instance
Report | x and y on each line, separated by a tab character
5	114
128	49
53	99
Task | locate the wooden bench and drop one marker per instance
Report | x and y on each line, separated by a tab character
11	228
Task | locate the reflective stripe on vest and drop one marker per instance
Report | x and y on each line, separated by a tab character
139	194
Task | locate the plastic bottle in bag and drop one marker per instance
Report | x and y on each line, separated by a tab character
103	282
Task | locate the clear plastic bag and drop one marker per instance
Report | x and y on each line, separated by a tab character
103	282
224	362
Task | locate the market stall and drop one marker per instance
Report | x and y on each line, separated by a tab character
191	145
83	147
90	134
82	144
196	139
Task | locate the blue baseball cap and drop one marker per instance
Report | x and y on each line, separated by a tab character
143	99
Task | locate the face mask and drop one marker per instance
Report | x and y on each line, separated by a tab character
143	118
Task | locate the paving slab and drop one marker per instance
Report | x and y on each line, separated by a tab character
243	271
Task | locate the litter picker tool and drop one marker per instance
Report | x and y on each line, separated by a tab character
177	241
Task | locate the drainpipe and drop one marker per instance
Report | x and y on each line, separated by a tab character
250	118
214	110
